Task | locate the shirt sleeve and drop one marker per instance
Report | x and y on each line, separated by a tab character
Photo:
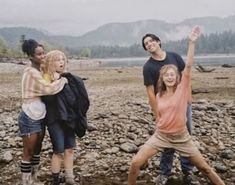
181	63
40	86
147	73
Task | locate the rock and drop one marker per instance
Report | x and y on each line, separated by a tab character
227	154
129	147
6	157
91	127
220	168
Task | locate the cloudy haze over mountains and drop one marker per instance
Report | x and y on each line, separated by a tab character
76	17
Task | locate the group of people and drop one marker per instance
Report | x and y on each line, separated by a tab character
168	85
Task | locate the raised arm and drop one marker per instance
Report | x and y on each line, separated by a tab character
192	38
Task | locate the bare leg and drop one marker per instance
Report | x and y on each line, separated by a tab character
35	160
138	160
202	165
29	144
56	162
68	165
38	146
68	158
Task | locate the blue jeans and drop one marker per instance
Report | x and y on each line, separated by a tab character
168	154
62	137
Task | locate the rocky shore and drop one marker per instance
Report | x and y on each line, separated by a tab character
119	122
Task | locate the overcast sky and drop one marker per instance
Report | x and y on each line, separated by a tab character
76	17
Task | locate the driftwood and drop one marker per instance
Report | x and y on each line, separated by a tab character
221	77
200	90
203	70
227	65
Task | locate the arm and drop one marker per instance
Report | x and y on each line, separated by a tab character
193	36
152	99
42	87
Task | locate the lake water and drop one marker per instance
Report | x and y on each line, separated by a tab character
212	60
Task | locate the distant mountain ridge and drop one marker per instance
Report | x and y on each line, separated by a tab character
123	34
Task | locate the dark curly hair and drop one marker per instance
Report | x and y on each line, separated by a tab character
29	46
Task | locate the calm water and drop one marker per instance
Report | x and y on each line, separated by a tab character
215	60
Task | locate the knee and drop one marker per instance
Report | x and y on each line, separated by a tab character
68	151
136	163
58	156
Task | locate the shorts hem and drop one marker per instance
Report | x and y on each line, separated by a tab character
30	133
61	152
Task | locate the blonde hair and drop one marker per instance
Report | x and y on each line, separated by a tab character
161	87
49	67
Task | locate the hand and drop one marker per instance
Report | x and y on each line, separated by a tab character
56	76
195	33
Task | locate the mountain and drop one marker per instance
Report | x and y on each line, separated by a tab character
126	34
123	34
13	35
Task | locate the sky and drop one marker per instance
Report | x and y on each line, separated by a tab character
76	17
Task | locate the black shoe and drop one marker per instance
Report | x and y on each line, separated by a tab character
56	179
190	179
55	182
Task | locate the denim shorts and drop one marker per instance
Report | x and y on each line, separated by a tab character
28	126
62	137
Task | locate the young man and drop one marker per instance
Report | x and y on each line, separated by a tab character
151	69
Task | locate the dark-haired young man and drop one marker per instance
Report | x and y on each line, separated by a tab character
158	58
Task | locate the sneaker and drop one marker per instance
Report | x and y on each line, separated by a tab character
70	181
36	180
161	179
190	179
35	174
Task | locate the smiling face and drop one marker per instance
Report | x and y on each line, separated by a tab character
170	77
151	44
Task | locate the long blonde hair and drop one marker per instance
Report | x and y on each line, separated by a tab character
161	87
49	67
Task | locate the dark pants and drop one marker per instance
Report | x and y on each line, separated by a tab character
168	154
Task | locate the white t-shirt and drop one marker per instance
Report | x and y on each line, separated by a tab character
35	110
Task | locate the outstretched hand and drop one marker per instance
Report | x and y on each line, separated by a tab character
195	33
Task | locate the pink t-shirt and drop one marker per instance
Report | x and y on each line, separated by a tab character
172	110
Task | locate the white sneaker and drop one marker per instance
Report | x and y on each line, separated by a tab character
26	179
35	175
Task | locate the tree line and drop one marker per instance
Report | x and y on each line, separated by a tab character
214	43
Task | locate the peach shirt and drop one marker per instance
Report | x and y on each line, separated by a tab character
172	110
